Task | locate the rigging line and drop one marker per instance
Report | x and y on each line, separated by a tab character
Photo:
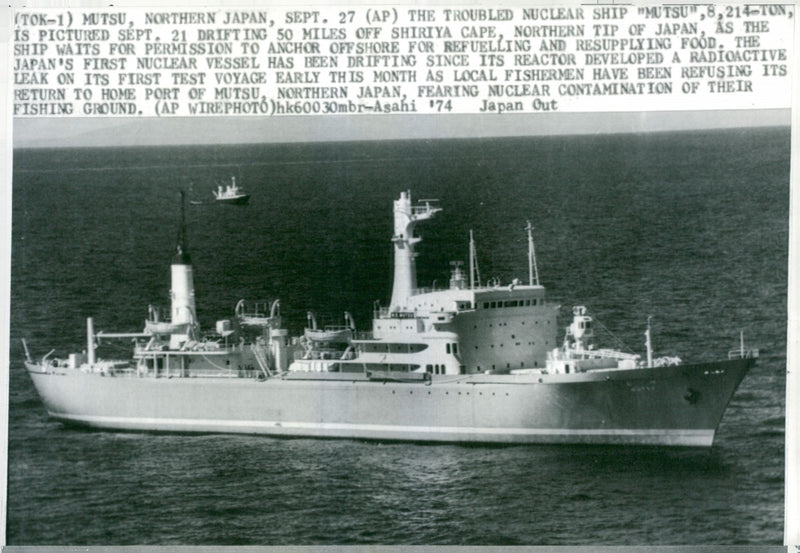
618	340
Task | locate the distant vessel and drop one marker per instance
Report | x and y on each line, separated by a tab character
231	194
469	363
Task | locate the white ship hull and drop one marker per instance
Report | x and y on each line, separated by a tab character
673	406
470	363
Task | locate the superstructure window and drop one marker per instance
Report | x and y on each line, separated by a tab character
393	347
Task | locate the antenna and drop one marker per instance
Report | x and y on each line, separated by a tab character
533	270
182	248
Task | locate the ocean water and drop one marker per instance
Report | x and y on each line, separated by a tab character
691	228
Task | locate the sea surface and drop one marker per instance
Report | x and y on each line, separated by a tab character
691	228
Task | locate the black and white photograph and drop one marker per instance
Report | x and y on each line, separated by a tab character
465	312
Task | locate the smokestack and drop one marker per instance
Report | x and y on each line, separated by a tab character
182	293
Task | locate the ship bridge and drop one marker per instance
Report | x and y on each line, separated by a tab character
427	301
495	328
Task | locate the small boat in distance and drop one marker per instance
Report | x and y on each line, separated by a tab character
231	194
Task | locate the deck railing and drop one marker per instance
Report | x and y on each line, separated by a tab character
740	353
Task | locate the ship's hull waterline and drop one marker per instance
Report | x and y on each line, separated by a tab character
238	200
672	406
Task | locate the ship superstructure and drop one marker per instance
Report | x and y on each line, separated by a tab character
231	194
475	362
463	329
250	345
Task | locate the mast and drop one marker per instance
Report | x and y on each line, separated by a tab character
90	356
406	217
741	344
649	344
474	270
471	261
533	270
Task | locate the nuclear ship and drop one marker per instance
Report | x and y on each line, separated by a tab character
472	362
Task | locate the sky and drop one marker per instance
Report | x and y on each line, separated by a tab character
97	132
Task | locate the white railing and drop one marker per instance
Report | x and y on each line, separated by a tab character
743	353
602	354
422	209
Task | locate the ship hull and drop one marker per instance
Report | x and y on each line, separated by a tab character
675	406
235	200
